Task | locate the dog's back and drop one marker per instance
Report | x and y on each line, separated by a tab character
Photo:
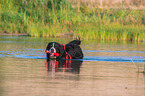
78	42
74	49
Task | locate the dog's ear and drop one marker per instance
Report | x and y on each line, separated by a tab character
62	51
48	46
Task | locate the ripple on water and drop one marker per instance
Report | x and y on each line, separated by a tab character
39	54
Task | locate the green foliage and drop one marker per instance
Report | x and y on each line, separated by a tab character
52	18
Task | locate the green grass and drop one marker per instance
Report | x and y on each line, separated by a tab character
110	32
44	18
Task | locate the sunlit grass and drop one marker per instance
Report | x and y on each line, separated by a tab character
44	18
110	32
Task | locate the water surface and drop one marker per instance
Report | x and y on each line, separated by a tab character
106	70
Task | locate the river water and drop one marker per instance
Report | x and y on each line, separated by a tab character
107	69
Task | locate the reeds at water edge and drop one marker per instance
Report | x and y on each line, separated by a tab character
54	18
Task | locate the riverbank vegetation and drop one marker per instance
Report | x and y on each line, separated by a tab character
56	18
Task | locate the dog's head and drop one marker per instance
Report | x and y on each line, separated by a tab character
54	50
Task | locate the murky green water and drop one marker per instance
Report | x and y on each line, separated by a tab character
106	69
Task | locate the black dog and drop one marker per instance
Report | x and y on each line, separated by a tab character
71	50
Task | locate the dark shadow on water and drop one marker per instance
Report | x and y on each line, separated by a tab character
71	66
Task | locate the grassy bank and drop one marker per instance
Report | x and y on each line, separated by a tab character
54	19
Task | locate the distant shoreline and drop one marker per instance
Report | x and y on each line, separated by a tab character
4	33
12	34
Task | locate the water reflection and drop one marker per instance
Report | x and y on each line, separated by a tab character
71	66
106	69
